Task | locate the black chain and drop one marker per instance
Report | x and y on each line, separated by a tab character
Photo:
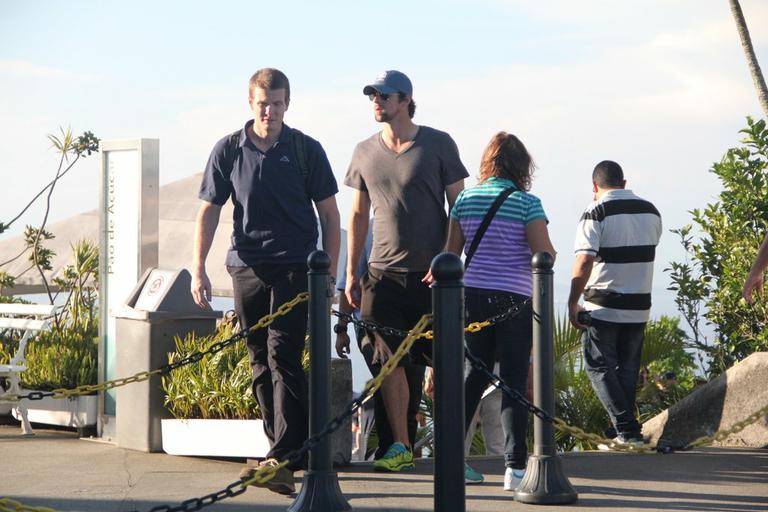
536	411
369	325
512	312
198	356
330	427
36	395
236	488
192	504
221	345
513	393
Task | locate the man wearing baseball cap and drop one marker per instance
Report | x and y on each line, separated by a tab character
406	172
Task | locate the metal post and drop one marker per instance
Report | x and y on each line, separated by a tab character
544	482
448	355
320	491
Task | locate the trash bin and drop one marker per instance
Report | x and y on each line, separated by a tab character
159	308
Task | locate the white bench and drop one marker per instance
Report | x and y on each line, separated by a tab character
29	319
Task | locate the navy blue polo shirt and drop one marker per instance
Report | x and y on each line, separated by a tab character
273	220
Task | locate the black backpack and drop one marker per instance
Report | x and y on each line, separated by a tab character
298	147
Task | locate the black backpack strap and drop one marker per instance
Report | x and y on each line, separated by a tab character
231	152
486	222
299	144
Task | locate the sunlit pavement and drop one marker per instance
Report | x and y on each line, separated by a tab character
56	469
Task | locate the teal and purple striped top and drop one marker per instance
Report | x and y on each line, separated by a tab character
503	259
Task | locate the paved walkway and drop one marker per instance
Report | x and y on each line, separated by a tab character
56	469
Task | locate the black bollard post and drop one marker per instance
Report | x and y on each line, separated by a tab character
448	356
544	482
320	491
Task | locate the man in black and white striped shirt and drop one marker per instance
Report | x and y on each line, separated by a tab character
615	247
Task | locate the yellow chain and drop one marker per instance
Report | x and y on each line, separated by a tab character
597	439
263	474
266	473
88	389
473	327
282	310
720	435
9	505
477	326
416	333
647	448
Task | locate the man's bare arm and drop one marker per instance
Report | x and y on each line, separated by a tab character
754	281
205	229
582	269
452	192
342	338
356	234
454	243
330	223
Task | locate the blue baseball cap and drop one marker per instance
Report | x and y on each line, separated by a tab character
390	82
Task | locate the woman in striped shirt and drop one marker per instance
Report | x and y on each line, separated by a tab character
498	277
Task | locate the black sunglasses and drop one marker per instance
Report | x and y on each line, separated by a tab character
384	96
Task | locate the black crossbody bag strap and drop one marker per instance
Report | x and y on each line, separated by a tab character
486	222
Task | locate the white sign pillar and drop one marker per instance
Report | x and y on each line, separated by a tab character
128	232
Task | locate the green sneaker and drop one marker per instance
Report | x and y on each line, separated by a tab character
472	477
397	458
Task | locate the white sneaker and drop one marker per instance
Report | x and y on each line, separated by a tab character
628	443
512	478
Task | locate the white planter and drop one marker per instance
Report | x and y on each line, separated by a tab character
215	438
75	412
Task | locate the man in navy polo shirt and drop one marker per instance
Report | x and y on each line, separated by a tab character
273	175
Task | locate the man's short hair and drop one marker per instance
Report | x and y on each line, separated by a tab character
411	104
270	79
608	174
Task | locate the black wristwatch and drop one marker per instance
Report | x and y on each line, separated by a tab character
338	328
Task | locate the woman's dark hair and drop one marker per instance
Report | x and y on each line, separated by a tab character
506	157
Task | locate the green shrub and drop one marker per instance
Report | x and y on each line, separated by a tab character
708	282
66	356
216	387
61	359
9	339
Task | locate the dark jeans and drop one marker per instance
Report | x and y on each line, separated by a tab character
612	359
512	341
279	383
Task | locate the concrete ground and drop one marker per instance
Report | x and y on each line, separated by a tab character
56	469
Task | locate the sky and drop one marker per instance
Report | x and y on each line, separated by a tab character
660	86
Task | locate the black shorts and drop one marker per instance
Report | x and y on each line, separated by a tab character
398	300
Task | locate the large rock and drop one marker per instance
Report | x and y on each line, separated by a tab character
717	405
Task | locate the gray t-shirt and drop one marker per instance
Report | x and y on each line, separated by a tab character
407	192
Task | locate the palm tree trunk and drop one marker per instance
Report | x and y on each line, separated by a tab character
749	51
